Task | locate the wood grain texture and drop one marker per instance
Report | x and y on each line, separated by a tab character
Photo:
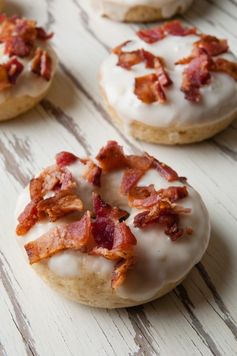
200	316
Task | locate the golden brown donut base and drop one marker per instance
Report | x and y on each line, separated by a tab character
171	135
14	106
143	13
91	289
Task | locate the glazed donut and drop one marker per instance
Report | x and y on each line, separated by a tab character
140	10
171	85
116	231
27	65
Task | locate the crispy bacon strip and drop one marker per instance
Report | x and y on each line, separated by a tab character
149	90
212	45
224	66
64	159
128	59
195	75
64	201
165	171
174	28
111	157
130	178
42	64
9	72
74	236
121	251
92	173
19	35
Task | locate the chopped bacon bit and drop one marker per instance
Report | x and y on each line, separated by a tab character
19	35
118	50
14	69
64	201
140	162
61	204
129	59
149	90
120	272
43	35
165	171
111	157
151	35
163	77
92	173
9	72
64	159
212	45
195	75
224	66
174	28
27	219
189	231
74	236
42	64
130	178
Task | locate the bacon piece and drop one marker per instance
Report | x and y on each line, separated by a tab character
43	35
151	35
121	251
129	59
165	171
74	236
224	66
14	69
195	75
104	226
212	45
153	197
148	89
64	159
139	162
130	178
42	64
163	77
9	72
92	173
174	28
63	203
118	50
111	157
27	219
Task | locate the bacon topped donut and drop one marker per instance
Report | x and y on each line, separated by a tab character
165	85
140	10
27	64
99	229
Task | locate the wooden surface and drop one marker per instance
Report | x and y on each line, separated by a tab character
200	316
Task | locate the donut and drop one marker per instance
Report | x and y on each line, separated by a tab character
27	65
115	231
140	10
171	85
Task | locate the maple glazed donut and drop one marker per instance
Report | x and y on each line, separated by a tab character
116	231
140	10
171	85
27	65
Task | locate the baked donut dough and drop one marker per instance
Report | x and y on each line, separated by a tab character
117	231
171	84
140	10
27	65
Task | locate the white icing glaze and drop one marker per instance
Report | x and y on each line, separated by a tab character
219	99
117	9
28	83
158	259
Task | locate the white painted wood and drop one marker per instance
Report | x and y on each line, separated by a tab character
199	318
